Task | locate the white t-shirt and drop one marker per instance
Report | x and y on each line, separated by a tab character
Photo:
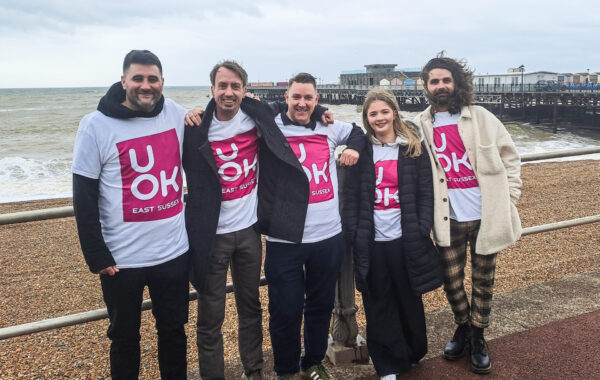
463	188
138	163
315	151
386	211
235	147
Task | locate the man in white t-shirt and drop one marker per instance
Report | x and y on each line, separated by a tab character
476	171
231	162
128	201
301	272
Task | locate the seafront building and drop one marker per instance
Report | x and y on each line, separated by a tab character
381	75
388	75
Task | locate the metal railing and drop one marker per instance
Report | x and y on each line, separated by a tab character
528	87
98	314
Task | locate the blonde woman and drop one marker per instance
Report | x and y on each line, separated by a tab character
388	214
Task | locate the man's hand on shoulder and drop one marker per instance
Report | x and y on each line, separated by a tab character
252	96
327	118
111	271
349	157
194	117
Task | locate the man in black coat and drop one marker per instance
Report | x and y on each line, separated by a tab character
230	201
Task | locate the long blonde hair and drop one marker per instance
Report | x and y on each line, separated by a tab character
401	128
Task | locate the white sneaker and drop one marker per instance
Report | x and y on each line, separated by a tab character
388	377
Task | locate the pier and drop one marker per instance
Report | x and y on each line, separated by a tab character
571	106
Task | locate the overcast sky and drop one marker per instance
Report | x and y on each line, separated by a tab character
69	43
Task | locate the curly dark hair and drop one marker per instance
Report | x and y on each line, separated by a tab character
463	81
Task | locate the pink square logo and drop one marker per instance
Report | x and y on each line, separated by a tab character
151	176
313	154
237	160
386	185
453	157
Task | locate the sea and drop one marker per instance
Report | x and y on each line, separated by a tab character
38	127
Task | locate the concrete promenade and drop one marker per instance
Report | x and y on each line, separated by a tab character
545	331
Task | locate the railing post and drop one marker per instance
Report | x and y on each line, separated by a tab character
347	346
554	115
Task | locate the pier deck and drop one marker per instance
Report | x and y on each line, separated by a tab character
573	107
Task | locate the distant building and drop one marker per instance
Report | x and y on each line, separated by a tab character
564	78
378	75
261	84
513	78
581	78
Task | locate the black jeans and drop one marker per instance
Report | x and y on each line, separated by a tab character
169	289
301	280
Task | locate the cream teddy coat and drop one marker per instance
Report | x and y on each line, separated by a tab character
497	166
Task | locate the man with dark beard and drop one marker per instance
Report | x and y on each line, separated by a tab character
128	202
476	171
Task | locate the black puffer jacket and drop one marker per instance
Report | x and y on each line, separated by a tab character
415	191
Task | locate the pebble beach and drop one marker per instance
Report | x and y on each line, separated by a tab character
44	276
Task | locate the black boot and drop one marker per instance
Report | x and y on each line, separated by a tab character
457	347
480	361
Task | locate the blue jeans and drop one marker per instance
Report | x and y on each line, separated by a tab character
301	279
169	289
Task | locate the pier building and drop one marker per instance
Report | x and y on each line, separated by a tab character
379	74
515	78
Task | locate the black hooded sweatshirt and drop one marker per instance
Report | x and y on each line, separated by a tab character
86	190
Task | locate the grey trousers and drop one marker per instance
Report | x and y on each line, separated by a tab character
242	250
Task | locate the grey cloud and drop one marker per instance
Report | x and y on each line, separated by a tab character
64	15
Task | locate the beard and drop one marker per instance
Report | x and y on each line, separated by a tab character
141	105
445	99
441	98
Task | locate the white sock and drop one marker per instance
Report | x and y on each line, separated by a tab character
388	377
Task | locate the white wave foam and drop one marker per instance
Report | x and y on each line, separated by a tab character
21	170
25	179
43	108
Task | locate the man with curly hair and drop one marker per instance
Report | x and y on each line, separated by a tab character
476	171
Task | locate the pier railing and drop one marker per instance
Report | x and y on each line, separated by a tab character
344	308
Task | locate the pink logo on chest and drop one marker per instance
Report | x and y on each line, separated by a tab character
237	160
453	157
151	176
386	185
313	154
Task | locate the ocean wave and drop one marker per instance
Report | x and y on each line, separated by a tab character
27	179
44	108
22	170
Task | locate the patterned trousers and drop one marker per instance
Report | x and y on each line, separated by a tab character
482	275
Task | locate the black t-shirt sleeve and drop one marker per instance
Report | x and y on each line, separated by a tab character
87	216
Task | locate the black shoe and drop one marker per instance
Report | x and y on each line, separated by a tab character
457	347
480	360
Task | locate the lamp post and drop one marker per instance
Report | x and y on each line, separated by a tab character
522	68
587	80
